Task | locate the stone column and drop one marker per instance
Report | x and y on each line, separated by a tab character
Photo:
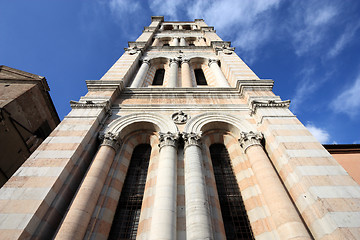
220	78
175	41
282	210
182	41
173	73
78	217
186	73
141	74
156	42
163	222
198	223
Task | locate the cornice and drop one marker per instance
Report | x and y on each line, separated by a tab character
101	85
90	104
268	103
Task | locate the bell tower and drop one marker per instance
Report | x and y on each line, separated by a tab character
180	139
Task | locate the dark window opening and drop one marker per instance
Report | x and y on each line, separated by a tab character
191	44
168	27
186	27
43	131
166	44
200	77
236	222
159	77
126	219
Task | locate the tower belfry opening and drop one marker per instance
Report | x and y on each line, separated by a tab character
180	139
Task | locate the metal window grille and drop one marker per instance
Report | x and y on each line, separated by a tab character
236	222
126	219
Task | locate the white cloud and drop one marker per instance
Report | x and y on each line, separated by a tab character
348	101
118	7
310	24
247	23
320	134
167	8
343	40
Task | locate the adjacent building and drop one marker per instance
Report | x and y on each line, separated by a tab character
27	117
180	139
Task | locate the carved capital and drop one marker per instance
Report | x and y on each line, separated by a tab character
211	61
192	139
248	139
268	103
168	139
147	61
174	60
185	60
110	139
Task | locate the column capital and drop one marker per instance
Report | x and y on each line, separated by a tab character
212	60
185	60
173	60
168	139
248	139
110	139
192	139
146	60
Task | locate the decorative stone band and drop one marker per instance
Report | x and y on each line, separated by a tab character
268	103
111	140
168	139
192	139
248	139
90	104
211	61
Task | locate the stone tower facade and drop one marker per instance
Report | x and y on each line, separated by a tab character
180	140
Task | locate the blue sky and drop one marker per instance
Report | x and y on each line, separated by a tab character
311	49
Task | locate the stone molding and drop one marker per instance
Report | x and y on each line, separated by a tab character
225	49
268	103
110	139
168	139
180	117
90	104
103	85
248	139
192	139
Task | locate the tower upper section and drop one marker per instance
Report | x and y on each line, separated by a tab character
179	54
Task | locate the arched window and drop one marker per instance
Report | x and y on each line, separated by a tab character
236	222
159	77
200	77
166	44
126	219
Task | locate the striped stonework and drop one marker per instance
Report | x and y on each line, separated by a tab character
235	69
104	212
34	200
325	195
259	217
